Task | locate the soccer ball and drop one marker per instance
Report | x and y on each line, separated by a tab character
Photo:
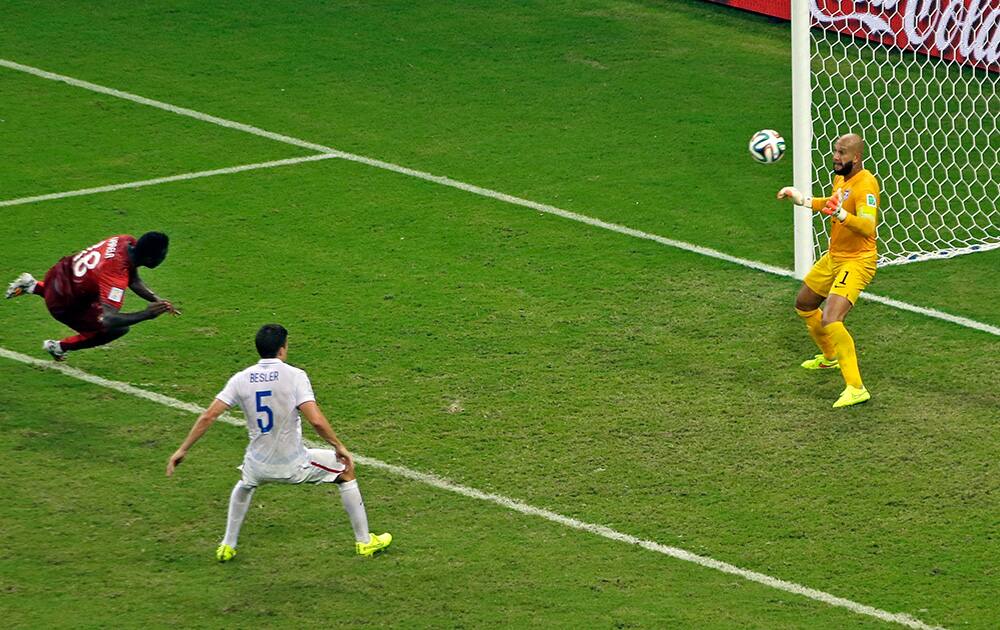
767	146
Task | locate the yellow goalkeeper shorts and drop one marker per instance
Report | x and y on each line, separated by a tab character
846	278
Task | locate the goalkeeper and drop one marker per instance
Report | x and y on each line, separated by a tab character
846	269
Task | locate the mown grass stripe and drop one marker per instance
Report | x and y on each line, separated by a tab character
506	502
485	192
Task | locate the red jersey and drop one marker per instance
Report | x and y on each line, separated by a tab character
99	274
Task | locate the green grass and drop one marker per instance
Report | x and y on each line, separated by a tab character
99	140
140	553
606	378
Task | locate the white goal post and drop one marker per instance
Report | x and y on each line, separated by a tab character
917	79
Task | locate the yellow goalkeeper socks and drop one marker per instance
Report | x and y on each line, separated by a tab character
814	322
846	353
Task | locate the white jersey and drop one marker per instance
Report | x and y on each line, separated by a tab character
270	393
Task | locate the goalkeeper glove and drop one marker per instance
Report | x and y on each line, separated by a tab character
795	195
833	207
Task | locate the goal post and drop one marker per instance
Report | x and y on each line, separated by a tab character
802	175
917	79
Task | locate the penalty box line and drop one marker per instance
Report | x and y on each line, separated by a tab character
484	192
504	501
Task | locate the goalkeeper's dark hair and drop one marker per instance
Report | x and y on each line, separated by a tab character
270	339
151	248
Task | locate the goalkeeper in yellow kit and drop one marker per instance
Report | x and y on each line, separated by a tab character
846	269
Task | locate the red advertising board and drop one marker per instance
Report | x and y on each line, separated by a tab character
774	8
965	31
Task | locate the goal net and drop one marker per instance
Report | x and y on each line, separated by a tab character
917	79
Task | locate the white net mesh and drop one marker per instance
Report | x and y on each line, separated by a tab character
929	123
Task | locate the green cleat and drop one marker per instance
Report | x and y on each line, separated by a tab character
374	545
225	553
820	362
852	396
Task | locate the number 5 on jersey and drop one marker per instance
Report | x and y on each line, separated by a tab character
262	408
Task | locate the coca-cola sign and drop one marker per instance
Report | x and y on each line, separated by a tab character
965	31
774	8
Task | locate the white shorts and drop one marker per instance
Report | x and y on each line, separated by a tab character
320	466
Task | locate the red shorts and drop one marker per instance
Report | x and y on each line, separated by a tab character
81	315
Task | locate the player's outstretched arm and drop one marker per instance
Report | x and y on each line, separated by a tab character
795	195
319	422
113	318
142	290
205	420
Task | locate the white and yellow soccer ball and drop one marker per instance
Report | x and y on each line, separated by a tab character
767	146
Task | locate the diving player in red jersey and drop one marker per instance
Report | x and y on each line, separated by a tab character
86	290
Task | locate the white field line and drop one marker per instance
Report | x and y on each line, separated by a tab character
507	502
478	190
930	312
171	178
222	122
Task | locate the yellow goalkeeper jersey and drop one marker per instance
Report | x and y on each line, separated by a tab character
855	237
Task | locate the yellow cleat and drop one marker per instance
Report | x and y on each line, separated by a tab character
852	396
225	553
820	362
374	545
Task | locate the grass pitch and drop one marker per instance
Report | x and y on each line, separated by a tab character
609	379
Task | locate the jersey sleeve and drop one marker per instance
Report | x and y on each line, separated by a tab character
114	274
112	284
230	393
866	206
303	390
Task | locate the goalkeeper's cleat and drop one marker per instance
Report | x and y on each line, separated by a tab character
225	553
852	396
25	283
820	362
55	349
375	544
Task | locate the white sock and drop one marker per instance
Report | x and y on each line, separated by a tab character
350	496
239	503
